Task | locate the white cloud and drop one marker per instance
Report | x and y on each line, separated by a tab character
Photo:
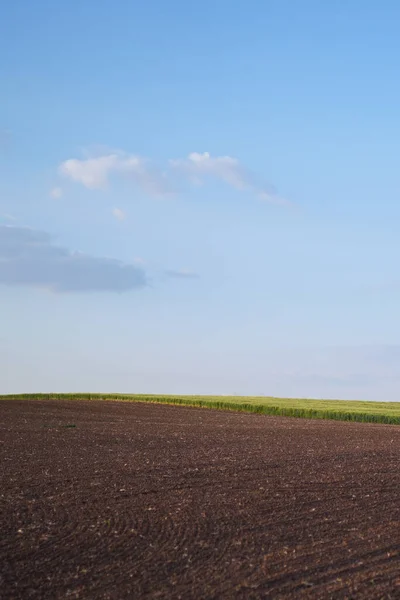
95	173
92	173
119	214
56	193
225	168
222	167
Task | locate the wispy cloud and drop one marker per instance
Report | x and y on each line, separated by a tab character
96	172
119	214
29	257
8	217
198	167
56	193
182	274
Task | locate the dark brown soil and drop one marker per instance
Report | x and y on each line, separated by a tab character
151	501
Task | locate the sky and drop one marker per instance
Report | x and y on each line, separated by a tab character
200	198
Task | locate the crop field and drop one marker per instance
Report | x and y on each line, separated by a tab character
143	500
340	410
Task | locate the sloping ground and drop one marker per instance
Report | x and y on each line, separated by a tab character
133	500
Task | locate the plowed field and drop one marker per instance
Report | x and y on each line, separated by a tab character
128	500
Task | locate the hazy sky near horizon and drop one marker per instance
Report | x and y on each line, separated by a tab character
200	197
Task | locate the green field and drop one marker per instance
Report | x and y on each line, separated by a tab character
340	410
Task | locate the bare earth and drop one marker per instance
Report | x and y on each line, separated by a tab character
151	501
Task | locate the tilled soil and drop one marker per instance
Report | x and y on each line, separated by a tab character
129	500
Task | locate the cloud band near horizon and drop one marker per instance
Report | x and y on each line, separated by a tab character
30	258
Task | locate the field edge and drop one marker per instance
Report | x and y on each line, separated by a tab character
338	410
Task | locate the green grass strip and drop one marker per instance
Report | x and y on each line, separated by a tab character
338	410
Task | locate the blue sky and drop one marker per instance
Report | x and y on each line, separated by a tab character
200	197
